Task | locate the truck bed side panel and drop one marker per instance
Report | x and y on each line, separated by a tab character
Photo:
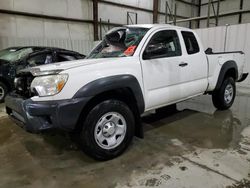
216	61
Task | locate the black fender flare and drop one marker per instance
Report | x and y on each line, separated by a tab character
111	83
225	67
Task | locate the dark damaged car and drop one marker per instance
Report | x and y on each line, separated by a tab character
15	59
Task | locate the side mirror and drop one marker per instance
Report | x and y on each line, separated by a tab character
154	50
209	51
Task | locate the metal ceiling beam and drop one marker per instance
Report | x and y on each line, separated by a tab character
208	12
241	7
175	12
199	13
155	11
217	13
95	19
192	13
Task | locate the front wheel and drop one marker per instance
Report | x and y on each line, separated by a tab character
223	98
107	130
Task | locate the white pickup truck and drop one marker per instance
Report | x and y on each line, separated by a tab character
135	69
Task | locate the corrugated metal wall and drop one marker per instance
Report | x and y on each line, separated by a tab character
22	30
228	38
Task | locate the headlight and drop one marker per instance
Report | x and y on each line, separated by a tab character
49	85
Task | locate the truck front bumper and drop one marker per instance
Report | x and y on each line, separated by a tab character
39	116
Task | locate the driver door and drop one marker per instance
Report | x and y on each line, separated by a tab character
161	66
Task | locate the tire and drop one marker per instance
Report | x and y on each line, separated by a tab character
107	130
223	98
3	91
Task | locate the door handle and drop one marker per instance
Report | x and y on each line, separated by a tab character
183	64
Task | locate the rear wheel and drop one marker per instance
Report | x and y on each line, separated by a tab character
107	130
223	98
3	91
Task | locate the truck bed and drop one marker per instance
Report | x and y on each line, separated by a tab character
218	59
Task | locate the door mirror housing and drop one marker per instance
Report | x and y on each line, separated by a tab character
209	51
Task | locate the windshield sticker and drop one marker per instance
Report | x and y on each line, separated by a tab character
130	50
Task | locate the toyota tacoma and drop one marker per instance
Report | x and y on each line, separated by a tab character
135	69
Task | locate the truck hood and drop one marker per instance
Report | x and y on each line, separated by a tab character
58	67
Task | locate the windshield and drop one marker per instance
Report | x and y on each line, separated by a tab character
14	54
119	42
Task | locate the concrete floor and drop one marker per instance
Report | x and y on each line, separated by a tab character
194	147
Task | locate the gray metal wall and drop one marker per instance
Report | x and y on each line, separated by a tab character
183	9
118	15
20	30
228	38
225	7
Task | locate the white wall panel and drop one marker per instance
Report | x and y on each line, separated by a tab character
54	29
203	23
7	25
119	15
229	5
231	20
21	31
80	9
183	24
66	8
28	27
212	37
7	4
238	38
246	17
148	4
36	6
81	31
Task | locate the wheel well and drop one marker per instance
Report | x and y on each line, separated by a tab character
123	94
5	82
229	69
231	73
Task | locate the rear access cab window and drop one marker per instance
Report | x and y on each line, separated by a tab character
191	42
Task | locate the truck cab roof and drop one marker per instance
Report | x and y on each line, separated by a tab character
156	26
